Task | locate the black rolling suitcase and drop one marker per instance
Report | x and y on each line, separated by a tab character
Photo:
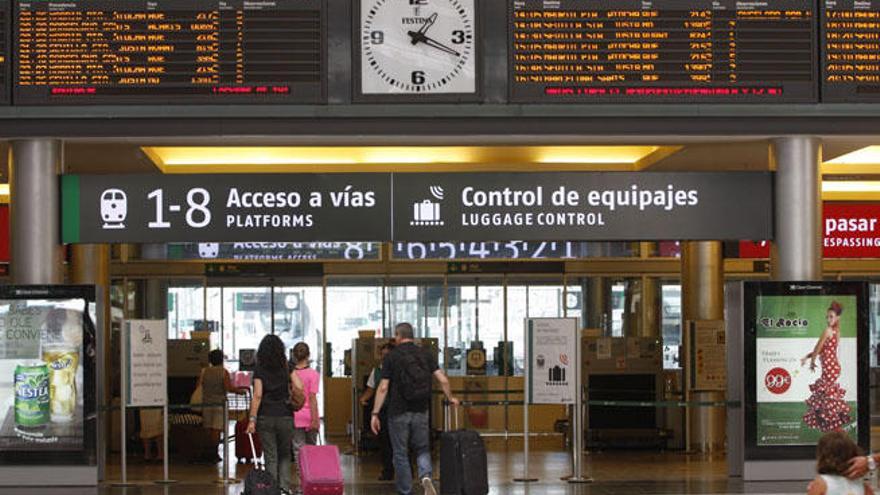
463	465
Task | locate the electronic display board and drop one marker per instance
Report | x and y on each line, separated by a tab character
850	51
662	51
5	52
157	51
512	250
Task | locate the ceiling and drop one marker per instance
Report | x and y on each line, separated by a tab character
127	157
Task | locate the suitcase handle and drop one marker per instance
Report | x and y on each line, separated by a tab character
257	463
455	423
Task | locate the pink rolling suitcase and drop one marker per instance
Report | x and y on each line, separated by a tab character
319	470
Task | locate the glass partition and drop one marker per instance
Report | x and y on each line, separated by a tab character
419	302
247	317
299	317
475	320
186	306
536	298
671	325
354	306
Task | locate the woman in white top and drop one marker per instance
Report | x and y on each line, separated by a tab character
833	454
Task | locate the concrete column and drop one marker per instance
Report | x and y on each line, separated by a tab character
90	265
652	308
596	302
796	253
702	277
36	252
155	290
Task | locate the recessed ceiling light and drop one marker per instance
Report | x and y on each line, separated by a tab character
206	159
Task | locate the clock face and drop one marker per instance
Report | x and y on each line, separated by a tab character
418	47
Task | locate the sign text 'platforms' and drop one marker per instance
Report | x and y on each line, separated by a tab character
422	207
217	208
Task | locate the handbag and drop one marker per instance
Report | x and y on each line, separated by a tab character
196	399
297	395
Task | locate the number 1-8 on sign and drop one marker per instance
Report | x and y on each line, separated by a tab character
198	214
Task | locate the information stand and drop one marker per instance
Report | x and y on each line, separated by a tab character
553	376
144	381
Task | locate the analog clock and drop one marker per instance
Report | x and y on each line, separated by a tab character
417	47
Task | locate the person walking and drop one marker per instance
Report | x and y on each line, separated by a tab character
367	400
306	421
271	413
407	379
216	383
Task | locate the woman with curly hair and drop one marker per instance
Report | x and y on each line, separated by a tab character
271	412
833	455
826	408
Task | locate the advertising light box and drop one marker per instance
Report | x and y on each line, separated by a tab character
47	376
806	366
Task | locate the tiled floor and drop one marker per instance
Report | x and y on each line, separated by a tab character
631	473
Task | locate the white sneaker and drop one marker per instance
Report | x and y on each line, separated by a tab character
428	486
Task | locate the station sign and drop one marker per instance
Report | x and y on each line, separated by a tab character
226	208
582	206
577	206
287	252
851	230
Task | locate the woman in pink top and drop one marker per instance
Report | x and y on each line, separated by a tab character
306	421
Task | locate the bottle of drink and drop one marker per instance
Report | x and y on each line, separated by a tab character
31	397
62	361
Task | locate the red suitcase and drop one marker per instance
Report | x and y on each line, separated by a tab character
242	446
319	470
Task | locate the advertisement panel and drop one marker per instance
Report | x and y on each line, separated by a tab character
47	375
709	359
850	231
806	363
552	353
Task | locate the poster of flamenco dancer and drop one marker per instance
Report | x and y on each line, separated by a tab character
806	362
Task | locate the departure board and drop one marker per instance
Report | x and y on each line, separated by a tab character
699	51
850	51
175	51
5	52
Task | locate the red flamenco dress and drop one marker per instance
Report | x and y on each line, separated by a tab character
827	410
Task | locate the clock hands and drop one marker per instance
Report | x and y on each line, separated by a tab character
430	22
419	36
436	44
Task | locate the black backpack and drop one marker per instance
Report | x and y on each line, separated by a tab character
415	377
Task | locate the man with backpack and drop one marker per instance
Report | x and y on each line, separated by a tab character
407	382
